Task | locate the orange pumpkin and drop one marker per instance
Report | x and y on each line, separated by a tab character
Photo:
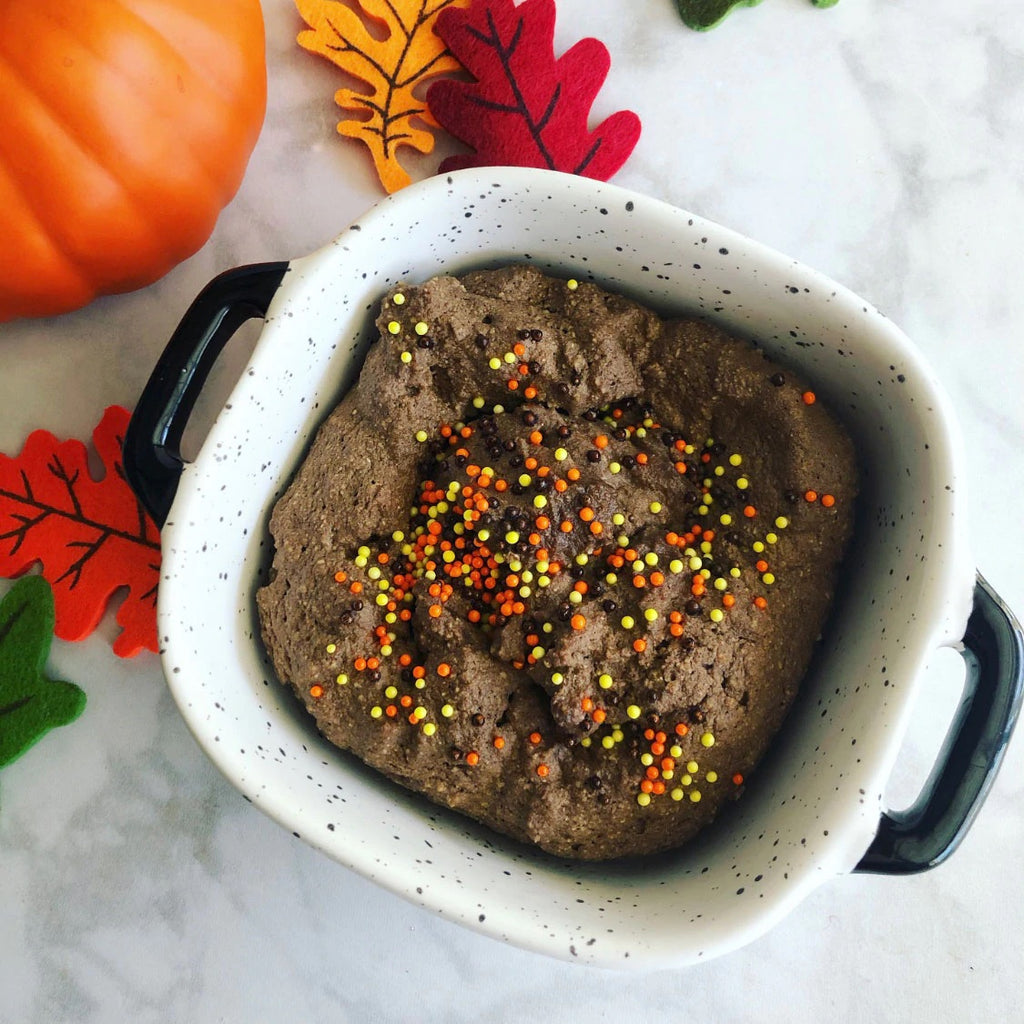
125	128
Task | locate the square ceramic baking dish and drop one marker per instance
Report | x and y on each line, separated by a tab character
814	809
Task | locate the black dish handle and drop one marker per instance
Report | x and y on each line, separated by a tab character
152	444
925	834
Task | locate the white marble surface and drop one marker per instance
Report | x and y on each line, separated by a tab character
883	144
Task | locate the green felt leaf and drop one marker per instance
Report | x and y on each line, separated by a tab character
30	703
704	14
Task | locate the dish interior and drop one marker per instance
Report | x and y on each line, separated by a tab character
811	810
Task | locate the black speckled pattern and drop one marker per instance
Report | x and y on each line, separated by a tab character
812	808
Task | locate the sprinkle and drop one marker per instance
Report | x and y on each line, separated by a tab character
394	327
429	728
605	681
572	284
716	615
472	758
760	603
725	519
601	441
809	398
737	779
316	691
742	483
650	614
561	455
768	578
628	622
782	522
707	740
342	679
677	794
421	328
578	622
712	776
406	357
810	495
695	796
633	711
447	711
557	679
543	771
398	299
444	670
828	500
675	566
614	467
643	799
494	363
376	711
735	460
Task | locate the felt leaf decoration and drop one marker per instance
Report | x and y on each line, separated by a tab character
91	536
704	14
30	703
392	68
527	108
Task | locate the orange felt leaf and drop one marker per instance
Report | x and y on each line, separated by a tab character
92	537
392	68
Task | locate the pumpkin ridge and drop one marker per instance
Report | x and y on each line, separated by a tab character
87	152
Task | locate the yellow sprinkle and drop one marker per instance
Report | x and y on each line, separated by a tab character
525	479
633	711
538	652
429	728
478	402
771	537
677	794
614	467
725	519
611	579
604	681
782	522
585	742
394	327
628	622
419	714
695	796
686	780
363	551
607	742
719	471
398	299
742	483
557	678
692	766
675	565
494	363
716	615
768	579
540	501
406	357
387	650
331	648
675	751
618	735
655	507
561	455
735	460
643	799
695	563
707	740
575	597
651	558
758	546
510	357
421	328
721	584
647	760
735	573
342	679
447	710
650	614
711	776
618	519
376	711
572	284
391	692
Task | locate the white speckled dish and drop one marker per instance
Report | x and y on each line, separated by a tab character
812	810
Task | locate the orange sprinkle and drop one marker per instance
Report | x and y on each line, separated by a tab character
641	458
728	600
530	392
513	385
360	664
810	495
542	522
737	779
680	467
372	663
639	645
419	672
648	734
639	581
682	728
672	538
499	742
601	441
434	611
444	670
405	659
587	513
519	348
658	747
578	622
357	587
761	603
809	397
561	486
676	629
501	485
761	565
657	578
391	711
524	369
646	786
573	474
535	738
316	691
565	526
596	529
828	500
536	437
652	773
749	511
587	704
543	770
341	576
658	788
472	758
406	701
599	715
473	615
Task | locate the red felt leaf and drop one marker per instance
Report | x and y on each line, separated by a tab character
92	537
526	108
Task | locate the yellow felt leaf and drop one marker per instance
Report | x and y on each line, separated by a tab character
392	67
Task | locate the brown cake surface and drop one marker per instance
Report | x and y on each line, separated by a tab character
559	564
